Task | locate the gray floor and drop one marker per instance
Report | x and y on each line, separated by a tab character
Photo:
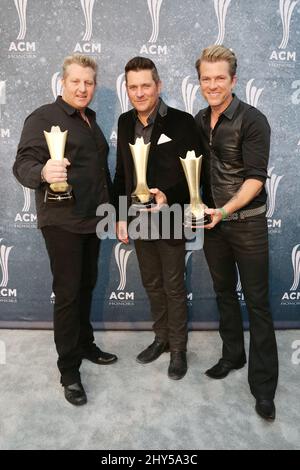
131	406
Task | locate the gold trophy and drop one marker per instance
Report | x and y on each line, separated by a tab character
194	215
56	141
141	196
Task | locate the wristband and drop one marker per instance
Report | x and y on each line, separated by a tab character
223	212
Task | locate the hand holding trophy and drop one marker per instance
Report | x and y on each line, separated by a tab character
194	216
141	197
56	141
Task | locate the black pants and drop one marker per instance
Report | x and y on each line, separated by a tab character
244	243
162	268
73	260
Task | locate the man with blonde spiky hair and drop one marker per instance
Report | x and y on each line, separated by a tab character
236	141
68	219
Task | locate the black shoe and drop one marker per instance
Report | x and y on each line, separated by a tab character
265	409
75	394
222	369
100	357
178	365
152	352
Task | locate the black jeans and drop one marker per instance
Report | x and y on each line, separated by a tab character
244	243
74	261
162	268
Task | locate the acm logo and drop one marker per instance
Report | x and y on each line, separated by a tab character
221	7
253	93
238	288
124	104
2	95
86	46
4	132
272	184
152	47
56	85
26	218
293	296
121	296
189	92
20	47
7	294
52	298
282	56
298	147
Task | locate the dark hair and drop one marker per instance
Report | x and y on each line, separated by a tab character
217	54
142	63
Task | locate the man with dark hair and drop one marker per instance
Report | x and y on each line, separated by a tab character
162	261
236	141
68	223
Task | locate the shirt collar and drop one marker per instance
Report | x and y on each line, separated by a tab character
230	110
69	109
161	109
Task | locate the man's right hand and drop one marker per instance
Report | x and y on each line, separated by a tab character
122	233
216	217
55	171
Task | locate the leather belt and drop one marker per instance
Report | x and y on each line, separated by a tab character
245	214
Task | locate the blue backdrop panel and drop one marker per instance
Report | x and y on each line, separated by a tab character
36	36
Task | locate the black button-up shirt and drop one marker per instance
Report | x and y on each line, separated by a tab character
87	150
235	150
146	131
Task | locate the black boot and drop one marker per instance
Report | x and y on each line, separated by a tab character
152	352
265	409
222	369
178	365
75	394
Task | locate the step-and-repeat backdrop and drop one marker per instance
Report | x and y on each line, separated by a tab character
37	35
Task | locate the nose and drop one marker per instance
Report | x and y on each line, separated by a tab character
139	92
82	87
213	84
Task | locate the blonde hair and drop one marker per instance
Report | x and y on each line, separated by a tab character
216	54
82	60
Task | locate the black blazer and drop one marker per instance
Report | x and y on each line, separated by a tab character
164	165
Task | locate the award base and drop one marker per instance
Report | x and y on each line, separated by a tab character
193	222
58	198
138	205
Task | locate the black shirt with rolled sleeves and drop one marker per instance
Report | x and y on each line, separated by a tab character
86	149
235	150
